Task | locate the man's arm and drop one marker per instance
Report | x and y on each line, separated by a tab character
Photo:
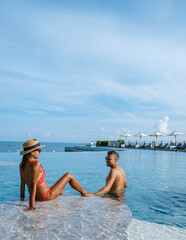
109	184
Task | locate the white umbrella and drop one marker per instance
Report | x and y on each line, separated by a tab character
175	134
140	135
156	134
126	135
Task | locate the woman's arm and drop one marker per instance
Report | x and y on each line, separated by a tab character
34	173
22	186
32	198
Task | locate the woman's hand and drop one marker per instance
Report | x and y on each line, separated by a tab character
30	209
87	194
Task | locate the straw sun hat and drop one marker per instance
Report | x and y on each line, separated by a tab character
30	146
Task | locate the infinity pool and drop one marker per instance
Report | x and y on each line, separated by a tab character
155	199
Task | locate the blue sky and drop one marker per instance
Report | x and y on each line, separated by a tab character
75	71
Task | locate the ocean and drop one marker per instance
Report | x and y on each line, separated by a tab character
154	204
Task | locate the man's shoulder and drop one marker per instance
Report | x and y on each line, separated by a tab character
113	171
116	170
120	170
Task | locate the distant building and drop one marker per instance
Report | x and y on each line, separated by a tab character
114	144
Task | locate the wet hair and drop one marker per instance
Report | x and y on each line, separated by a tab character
116	155
24	159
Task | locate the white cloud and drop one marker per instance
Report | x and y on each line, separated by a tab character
130	115
29	135
162	125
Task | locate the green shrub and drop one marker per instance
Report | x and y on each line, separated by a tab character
121	141
101	143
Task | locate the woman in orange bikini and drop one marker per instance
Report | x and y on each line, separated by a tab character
33	174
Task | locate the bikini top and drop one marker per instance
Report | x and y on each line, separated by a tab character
42	179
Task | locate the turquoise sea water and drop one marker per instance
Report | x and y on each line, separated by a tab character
156	190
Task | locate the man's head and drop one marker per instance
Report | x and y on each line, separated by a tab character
112	158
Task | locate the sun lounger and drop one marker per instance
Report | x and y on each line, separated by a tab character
143	146
159	146
129	145
172	147
164	146
133	145
182	146
168	146
179	146
148	146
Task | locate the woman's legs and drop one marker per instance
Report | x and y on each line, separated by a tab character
58	187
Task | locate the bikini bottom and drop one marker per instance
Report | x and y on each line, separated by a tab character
42	198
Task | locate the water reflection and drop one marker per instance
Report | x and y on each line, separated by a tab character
117	195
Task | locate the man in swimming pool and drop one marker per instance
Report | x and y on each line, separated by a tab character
116	179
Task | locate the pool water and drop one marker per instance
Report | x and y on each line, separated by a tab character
155	197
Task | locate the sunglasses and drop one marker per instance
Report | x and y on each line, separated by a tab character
39	150
107	158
